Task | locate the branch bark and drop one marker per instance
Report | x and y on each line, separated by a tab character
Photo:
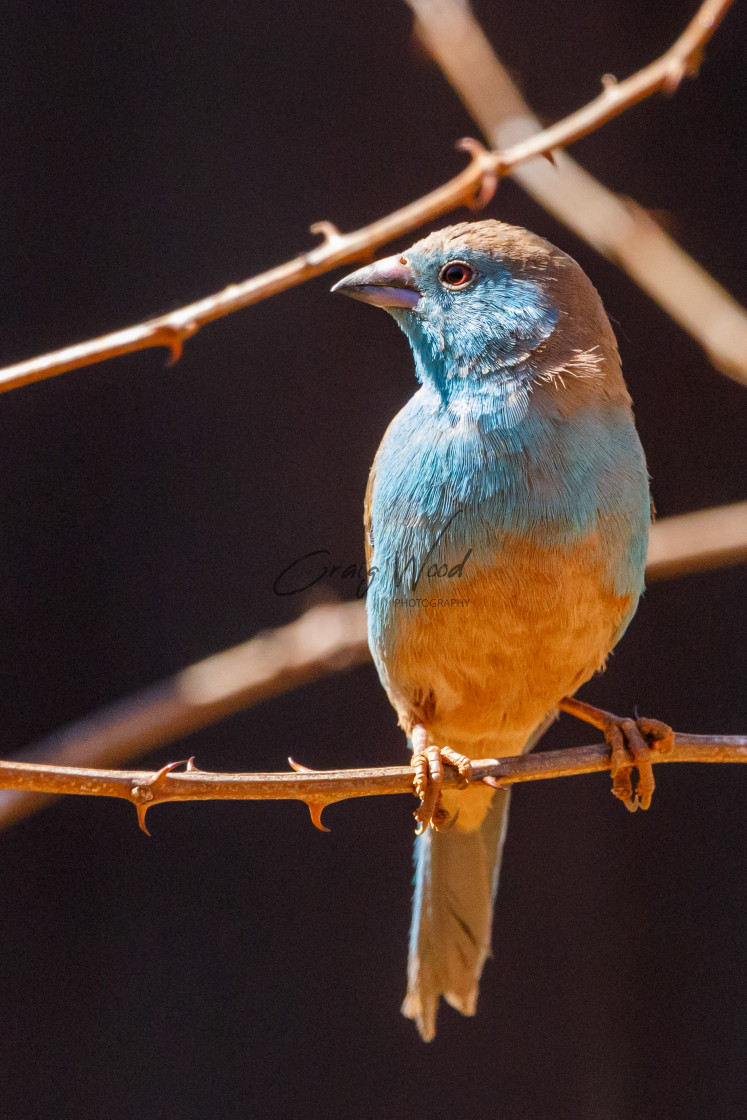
473	186
618	228
317	789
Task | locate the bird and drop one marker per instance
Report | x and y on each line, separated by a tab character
506	525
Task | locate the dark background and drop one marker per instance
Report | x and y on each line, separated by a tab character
240	963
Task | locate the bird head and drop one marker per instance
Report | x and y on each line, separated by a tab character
488	302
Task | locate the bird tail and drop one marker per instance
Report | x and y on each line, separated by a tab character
456	878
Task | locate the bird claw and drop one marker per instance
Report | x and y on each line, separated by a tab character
632	743
427	762
637	738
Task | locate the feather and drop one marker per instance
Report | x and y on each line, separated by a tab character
456	880
456	877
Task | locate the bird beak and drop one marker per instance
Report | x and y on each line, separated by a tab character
387	283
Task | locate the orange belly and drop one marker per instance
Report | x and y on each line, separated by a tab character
483	671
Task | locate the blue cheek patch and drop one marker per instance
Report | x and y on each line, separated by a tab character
481	331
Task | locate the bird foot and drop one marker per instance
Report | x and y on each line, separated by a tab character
632	743
427	762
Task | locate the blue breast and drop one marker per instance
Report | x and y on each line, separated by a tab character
458	473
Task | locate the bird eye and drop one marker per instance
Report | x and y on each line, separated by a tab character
456	275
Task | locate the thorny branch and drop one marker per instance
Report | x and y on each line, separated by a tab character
317	789
616	227
473	187
326	639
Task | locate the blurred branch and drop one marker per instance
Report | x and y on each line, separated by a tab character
694	542
616	227
473	187
324	640
145	789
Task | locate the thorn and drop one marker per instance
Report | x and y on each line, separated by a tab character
328	231
677	71
161	774
316	808
471	144
191	766
694	62
609	81
143	794
176	346
173	339
487	189
141	811
490	781
331	238
299	768
550	157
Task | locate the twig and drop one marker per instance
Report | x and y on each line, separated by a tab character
324	640
616	227
144	789
694	542
474	185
